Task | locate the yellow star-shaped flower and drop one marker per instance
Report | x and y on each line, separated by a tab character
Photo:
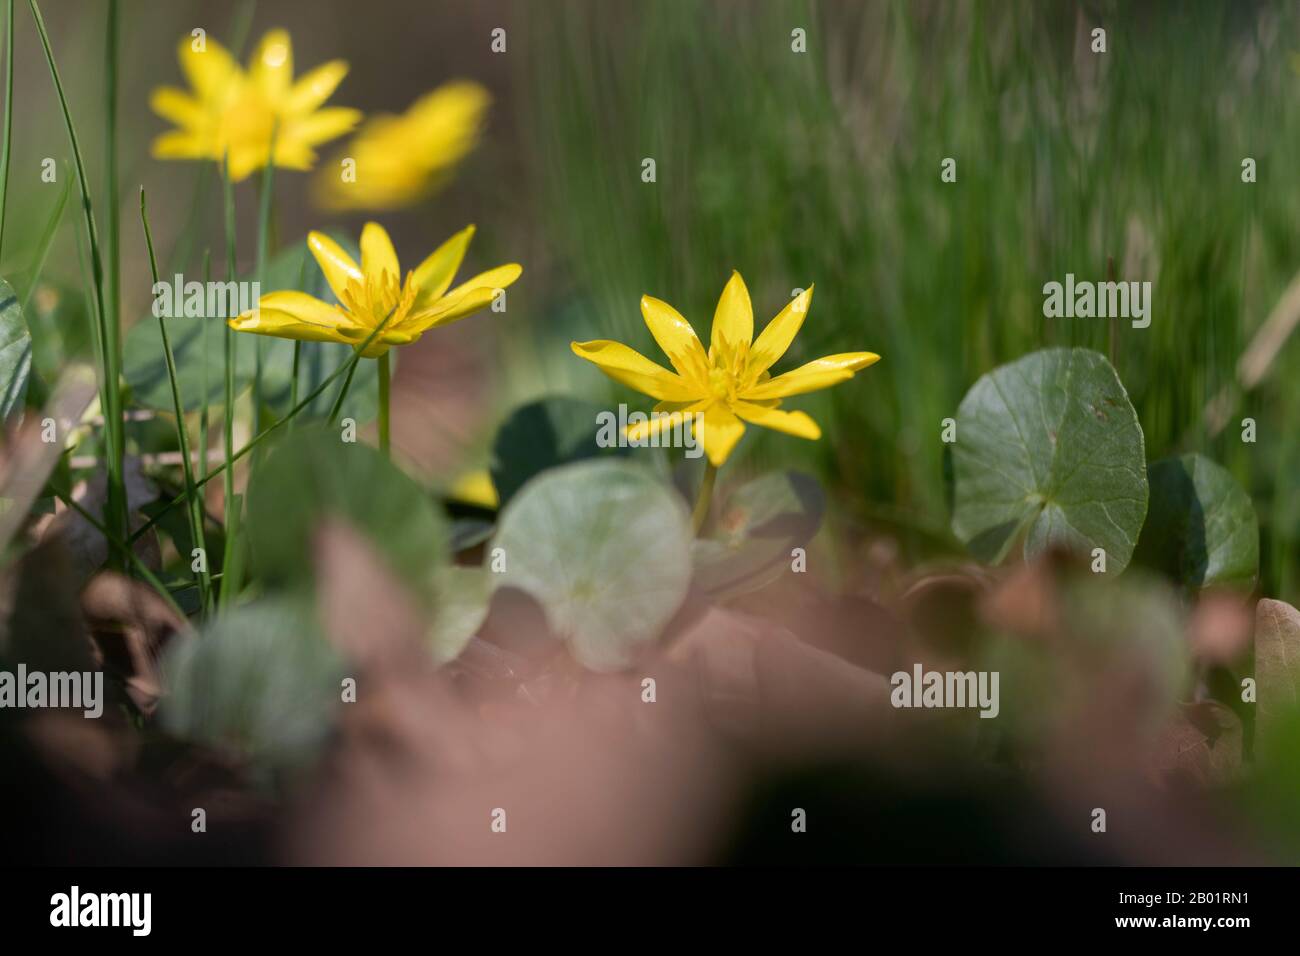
238	112
731	384
374	292
401	160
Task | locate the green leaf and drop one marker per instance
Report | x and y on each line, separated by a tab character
544	434
314	475
604	548
757	527
15	354
196	344
463	595
1277	671
1049	447
260	682
1201	529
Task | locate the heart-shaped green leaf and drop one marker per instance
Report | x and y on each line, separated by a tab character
462	595
755	532
313	475
1201	529
15	354
261	682
605	549
1049	447
544	434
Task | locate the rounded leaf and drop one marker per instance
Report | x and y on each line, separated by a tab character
605	549
1049	448
314	475
1201	529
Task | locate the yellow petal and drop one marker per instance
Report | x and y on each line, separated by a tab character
377	252
315	87
295	315
722	429
451	308
323	125
475	488
733	320
499	278
178	144
271	66
780	332
792	423
211	73
663	418
247	159
306	308
822	373
633	369
177	106
336	264
677	338
433	276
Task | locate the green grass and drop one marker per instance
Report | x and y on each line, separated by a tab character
824	167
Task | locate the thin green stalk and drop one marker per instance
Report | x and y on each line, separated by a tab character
9	115
195	509
110	352
701	512
203	341
293	382
263	240
297	343
229	584
338	399
384	389
112	204
45	242
347	366
140	566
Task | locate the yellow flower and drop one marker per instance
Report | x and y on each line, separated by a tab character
475	488
731	383
375	291
237	111
401	160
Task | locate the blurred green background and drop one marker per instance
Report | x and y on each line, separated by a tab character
795	168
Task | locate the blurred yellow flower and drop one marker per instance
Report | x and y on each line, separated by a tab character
729	384
475	488
237	111
374	291
399	160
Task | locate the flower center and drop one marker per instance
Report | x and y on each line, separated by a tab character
721	384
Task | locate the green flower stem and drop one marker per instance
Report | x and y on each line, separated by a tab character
108	338
203	340
346	367
263	241
112	204
9	114
229	581
385	370
195	509
701	512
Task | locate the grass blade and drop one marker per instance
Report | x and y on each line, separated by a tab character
195	509
110	351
